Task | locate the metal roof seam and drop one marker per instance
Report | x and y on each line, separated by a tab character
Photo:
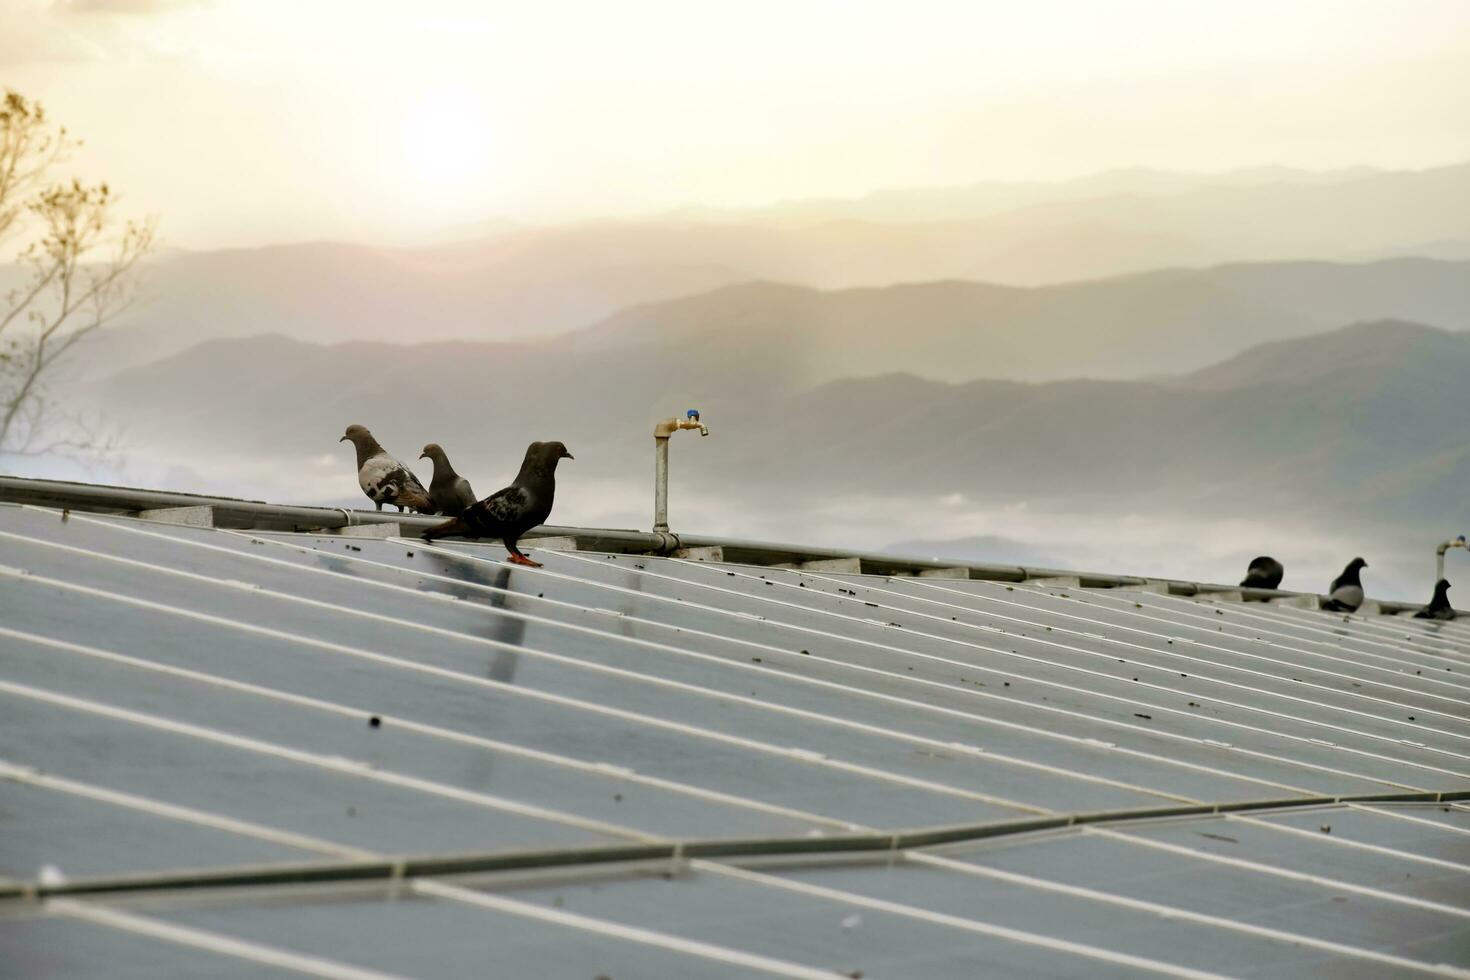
1278	871
1337	840
1110	722
143	804
521	649
592	768
214	942
1095	673
1167	653
814	758
1173	912
1133	613
1104	656
334	763
1085	950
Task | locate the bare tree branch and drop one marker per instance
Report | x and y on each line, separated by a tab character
82	273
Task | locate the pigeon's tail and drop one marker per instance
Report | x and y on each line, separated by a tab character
454	527
416	500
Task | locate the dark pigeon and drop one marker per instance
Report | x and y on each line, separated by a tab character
507	514
449	491
1347	589
1439	607
1265	572
383	478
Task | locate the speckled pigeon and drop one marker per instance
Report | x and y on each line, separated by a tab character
383	478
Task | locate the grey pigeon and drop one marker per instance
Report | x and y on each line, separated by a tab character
1439	607
449	491
1264	572
507	514
1347	589
383	478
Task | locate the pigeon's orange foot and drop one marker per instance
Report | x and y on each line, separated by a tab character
523	560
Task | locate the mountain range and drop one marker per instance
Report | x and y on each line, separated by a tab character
1364	420
514	282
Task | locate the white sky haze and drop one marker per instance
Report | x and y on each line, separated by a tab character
241	122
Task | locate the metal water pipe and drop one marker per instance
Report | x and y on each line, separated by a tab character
661	433
1439	555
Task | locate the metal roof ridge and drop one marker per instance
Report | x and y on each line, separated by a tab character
239	513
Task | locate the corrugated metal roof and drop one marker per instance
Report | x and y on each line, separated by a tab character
249	750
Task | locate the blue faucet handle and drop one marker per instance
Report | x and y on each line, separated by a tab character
693	413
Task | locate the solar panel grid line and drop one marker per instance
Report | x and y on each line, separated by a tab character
551	758
858	620
1338	840
1367	632
1111	722
803	755
988	756
650	937
1278	871
1407	655
1084	950
332	763
1103	656
1396	672
1184	915
1448	637
1029	678
1113	640
713	609
599	770
1384	811
857	667
1188	609
917	680
212	942
170	811
119	526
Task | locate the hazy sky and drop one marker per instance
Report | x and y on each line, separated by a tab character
246	121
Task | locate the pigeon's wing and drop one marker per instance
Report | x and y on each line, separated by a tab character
1347	596
387	481
461	494
376	474
507	507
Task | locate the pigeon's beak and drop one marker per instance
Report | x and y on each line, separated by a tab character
343	439
423	455
569	456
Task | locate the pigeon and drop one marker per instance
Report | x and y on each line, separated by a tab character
1347	589
1265	572
383	478
449	491
1439	607
509	513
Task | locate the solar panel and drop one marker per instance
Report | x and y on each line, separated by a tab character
238	751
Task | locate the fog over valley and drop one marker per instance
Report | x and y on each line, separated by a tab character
1174	422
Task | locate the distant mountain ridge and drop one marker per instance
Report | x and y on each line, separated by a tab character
1364	420
526	281
1156	323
